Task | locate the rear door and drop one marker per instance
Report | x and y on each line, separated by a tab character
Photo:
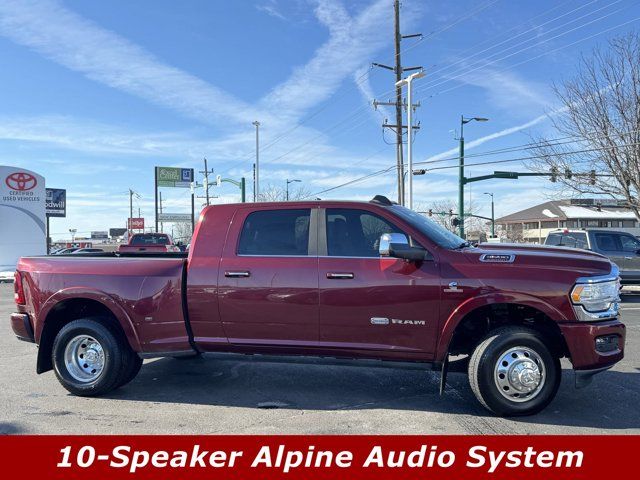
268	277
383	305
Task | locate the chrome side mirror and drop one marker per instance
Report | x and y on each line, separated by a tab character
386	239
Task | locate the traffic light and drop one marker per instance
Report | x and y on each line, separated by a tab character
567	173
430	213
455	222
554	174
592	177
451	212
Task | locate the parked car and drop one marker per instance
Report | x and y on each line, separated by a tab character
361	280
149	243
66	251
621	248
87	250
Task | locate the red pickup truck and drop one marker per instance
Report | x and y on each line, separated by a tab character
361	280
149	243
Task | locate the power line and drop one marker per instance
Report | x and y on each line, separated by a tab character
510	39
425	88
492	162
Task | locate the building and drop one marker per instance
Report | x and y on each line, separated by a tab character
533	224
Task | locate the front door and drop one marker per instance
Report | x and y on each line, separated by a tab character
631	249
268	278
608	244
382	305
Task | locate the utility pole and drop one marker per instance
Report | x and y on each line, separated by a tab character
256	175
409	81
161	224
206	173
398	70
493	217
461	178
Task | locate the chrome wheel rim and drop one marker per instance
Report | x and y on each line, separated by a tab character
519	374
84	358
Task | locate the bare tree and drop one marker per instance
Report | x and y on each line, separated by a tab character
182	232
600	118
273	193
443	211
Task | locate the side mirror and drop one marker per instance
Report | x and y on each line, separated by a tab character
397	245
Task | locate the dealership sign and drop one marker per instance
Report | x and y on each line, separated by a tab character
174	177
174	217
22	215
136	223
56	202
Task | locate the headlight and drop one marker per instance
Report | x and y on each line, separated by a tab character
596	297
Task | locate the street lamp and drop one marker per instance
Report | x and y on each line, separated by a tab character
256	167
493	218
288	182
408	81
463	121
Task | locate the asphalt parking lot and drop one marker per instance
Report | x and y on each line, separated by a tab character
228	396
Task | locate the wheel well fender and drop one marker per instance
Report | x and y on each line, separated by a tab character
71	304
519	308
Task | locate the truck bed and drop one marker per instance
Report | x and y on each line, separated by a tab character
144	291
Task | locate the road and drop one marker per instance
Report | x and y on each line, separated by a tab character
229	396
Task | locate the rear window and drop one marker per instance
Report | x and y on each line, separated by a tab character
149	239
276	232
568	239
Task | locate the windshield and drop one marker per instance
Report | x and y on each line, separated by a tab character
431	229
149	239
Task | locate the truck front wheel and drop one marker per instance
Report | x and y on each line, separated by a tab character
89	357
512	372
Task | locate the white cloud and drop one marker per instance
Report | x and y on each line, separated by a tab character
351	40
79	44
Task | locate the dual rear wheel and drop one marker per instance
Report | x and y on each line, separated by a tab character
91	358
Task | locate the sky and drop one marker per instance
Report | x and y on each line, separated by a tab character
93	95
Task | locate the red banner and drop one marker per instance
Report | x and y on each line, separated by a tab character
318	457
136	223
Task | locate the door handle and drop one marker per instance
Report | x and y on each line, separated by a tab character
339	275
237	274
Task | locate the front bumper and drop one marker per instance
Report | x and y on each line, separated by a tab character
581	341
21	326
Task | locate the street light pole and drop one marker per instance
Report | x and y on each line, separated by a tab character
409	82
288	182
493	218
256	184
461	182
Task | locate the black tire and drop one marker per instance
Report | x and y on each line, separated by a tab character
114	351
483	373
130	370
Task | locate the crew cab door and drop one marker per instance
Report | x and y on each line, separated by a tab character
268	277
367	302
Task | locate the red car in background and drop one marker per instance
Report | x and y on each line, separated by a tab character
149	242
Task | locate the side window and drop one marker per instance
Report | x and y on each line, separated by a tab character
276	232
629	243
607	242
553	239
355	233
